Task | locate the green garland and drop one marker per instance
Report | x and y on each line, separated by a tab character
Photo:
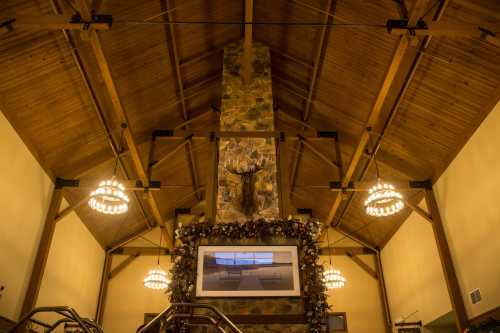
184	258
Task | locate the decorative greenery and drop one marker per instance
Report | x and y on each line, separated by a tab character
184	258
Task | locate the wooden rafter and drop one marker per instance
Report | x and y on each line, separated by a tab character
394	110
247	43
119	111
122	265
284	178
174	56
383	294
345	250
364	266
375	112
450	275
211	191
318	59
103	289
42	252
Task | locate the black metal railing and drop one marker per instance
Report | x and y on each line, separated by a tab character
185	314
68	317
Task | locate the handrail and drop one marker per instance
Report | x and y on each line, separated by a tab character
69	314
167	313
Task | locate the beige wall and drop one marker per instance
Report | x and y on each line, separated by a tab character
128	300
26	192
360	298
413	274
468	196
74	267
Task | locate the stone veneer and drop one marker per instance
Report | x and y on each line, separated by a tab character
246	107
249	107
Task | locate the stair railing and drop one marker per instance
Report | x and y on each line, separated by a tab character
178	311
69	316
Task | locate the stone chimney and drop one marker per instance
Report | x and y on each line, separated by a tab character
247	187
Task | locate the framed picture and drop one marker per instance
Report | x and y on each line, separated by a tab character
247	271
337	322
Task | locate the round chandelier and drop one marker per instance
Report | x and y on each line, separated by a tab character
156	279
383	200
333	279
109	198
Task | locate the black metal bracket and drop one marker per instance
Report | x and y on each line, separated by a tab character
403	24
179	211
424	184
96	18
328	134
305	211
337	185
162	133
7	24
61	183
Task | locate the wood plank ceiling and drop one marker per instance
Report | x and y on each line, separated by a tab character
327	76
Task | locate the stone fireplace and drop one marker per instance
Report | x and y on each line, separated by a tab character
247	166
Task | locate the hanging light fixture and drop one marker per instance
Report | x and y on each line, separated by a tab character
383	199
156	278
109	197
332	278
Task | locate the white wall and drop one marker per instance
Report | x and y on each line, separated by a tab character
127	299
25	194
468	195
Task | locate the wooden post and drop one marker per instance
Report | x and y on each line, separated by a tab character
284	177
247	43
103	290
450	275
42	252
383	293
211	191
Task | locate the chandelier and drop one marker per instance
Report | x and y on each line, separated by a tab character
383	200
332	278
109	197
156	278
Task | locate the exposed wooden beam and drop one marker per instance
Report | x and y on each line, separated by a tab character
383	293
284	178
291	134
394	110
344	250
103	289
450	275
364	266
247	43
364	186
71	208
318	59
174	56
53	22
42	252
120	113
96	106
355	238
285	115
169	154
418	210
121	266
375	112
211	191
141	251
291	57
318	153
295	166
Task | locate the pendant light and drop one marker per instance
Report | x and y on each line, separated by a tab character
109	197
383	199
156	278
332	278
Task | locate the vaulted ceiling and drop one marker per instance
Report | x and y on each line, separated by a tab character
329	76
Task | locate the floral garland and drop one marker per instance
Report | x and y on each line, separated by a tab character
184	258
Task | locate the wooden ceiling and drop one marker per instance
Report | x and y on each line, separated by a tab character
329	76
